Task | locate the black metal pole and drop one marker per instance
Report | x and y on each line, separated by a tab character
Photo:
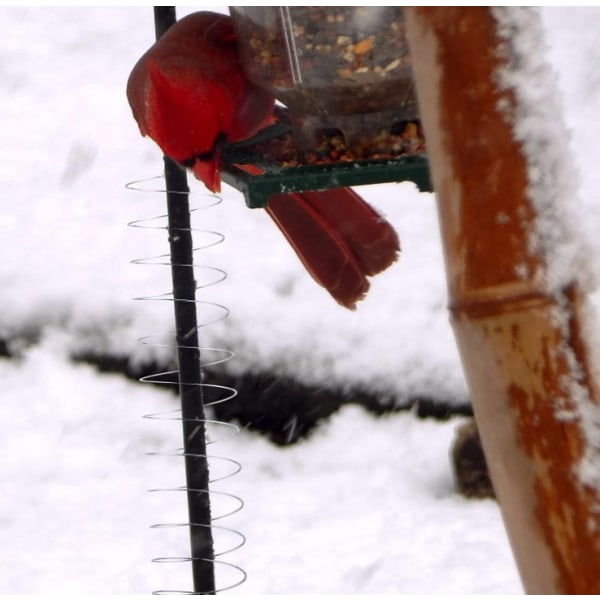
190	390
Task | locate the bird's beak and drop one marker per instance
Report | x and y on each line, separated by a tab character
206	169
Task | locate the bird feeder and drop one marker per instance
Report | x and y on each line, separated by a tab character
348	113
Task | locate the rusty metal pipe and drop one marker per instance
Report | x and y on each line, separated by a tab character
525	345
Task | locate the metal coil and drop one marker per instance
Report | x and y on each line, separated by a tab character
212	394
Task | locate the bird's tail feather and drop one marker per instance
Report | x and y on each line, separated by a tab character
339	238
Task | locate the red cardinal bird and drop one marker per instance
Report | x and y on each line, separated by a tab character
189	94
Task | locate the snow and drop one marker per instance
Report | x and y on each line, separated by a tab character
558	229
556	232
365	505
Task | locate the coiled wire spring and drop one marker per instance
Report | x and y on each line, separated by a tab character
201	498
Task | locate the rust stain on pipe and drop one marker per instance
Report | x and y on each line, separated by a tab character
484	160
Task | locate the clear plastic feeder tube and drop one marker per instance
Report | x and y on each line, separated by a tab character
335	68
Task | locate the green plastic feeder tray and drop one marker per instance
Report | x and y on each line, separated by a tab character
274	178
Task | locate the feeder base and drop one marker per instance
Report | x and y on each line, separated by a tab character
252	168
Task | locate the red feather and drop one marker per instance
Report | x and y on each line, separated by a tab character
189	94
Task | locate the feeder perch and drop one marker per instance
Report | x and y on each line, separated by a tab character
344	75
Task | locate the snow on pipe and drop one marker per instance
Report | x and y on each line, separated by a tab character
222	504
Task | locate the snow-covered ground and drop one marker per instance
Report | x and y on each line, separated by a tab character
365	505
